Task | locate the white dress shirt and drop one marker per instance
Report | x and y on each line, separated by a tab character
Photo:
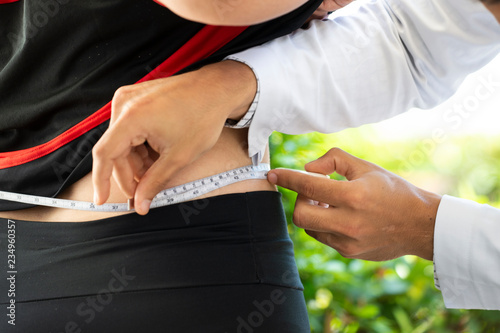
373	60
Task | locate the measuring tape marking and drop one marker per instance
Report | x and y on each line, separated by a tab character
180	193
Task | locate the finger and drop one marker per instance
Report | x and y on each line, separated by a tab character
329	239
338	220
316	188
351	248
124	176
336	242
115	142
154	181
101	175
308	215
337	160
137	163
319	204
322	204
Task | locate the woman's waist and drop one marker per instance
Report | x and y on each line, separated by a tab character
229	153
235	216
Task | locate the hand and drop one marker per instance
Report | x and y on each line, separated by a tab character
374	215
160	126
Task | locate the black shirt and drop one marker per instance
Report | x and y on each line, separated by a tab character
62	60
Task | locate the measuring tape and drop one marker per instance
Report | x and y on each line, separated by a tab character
166	197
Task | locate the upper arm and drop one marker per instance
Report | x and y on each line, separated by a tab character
370	62
231	12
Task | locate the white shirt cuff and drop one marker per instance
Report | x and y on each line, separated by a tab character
467	254
247	118
256	152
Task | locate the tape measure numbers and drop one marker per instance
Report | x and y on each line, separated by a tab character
166	197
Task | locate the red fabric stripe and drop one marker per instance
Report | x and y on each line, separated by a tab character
206	42
7	1
158	2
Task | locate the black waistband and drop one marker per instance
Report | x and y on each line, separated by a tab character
228	239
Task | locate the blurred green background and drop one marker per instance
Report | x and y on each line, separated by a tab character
345	295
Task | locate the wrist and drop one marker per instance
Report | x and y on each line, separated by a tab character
423	240
235	85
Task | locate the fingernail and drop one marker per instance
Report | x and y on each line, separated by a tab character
272	178
96	198
145	205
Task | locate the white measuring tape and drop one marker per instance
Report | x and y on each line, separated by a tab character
166	197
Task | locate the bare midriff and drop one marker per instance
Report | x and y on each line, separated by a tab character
230	152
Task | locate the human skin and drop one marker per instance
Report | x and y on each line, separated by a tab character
120	192
180	118
226	91
229	150
372	215
230	12
195	144
239	12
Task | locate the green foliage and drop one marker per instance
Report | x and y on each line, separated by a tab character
345	295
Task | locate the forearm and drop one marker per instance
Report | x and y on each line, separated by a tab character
231	12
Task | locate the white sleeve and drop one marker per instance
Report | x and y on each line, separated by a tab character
467	254
374	60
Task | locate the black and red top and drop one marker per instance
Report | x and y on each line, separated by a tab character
62	60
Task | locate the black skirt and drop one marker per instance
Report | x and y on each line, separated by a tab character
222	264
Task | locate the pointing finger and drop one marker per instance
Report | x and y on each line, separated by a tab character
313	187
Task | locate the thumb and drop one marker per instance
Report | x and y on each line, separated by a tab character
337	160
153	182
